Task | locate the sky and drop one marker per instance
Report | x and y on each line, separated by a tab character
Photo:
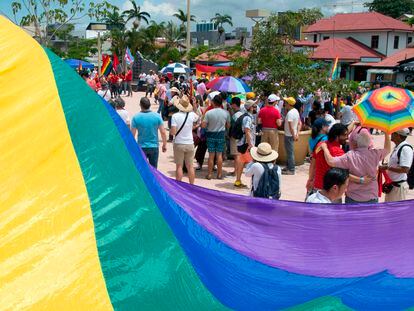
162	10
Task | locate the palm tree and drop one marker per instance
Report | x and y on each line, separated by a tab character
219	20
114	19
173	34
136	15
183	17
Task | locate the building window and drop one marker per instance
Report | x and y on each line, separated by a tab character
325	37
374	42
396	42
315	38
410	39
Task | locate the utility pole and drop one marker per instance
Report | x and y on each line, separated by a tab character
99	53
188	32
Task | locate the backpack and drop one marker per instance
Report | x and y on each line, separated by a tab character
410	174
236	130
269	186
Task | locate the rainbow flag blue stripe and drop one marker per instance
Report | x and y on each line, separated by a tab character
87	225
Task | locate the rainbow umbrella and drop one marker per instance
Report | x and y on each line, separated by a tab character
213	82
388	109
231	85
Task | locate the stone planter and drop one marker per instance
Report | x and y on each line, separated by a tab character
301	148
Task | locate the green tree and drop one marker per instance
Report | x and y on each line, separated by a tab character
173	35
196	51
136	15
82	48
42	14
309	16
273	65
220	20
393	8
182	17
114	19
167	54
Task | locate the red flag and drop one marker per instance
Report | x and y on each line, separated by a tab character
115	62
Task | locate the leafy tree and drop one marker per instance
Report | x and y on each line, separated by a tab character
182	17
220	20
114	19
309	16
82	48
173	34
274	66
393	8
42	14
196	51
167	54
136	15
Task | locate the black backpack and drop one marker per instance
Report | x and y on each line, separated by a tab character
236	130
269	186
410	174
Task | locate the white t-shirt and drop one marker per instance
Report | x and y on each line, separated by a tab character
318	198
186	135
256	170
292	116
406	159
105	94
330	119
124	116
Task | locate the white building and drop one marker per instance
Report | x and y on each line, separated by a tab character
381	33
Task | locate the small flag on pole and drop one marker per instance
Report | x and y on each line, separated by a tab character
334	71
129	59
80	68
115	62
106	65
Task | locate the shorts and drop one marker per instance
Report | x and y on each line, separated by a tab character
216	141
233	147
246	157
183	153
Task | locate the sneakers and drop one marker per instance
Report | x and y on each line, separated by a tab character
238	184
285	171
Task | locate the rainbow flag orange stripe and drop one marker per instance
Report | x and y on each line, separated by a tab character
334	74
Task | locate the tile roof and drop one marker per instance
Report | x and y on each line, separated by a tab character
395	59
345	49
358	22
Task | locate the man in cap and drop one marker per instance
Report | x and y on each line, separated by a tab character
399	165
264	161
270	119
292	128
246	142
182	128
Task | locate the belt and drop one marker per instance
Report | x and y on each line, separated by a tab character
398	183
269	129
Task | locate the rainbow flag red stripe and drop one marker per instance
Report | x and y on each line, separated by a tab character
106	65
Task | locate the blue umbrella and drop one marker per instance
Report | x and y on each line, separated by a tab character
231	85
175	68
74	63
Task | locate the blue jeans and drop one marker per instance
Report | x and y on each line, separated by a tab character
290	153
161	105
152	156
348	200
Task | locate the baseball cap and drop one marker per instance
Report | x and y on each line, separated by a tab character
290	100
273	98
404	132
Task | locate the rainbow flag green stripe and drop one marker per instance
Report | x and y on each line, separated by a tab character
146	269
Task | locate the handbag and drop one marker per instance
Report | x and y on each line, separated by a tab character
243	148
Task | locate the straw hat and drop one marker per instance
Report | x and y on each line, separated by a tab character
264	153
174	89
183	104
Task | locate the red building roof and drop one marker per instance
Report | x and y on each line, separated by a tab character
395	59
345	49
357	22
305	43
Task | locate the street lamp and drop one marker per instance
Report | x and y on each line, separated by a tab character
98	27
188	32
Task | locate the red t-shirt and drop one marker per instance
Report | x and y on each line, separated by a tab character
269	115
114	79
128	76
321	167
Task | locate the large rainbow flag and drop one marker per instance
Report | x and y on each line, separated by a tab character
107	65
86	224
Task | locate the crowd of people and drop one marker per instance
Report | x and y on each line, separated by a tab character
344	165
